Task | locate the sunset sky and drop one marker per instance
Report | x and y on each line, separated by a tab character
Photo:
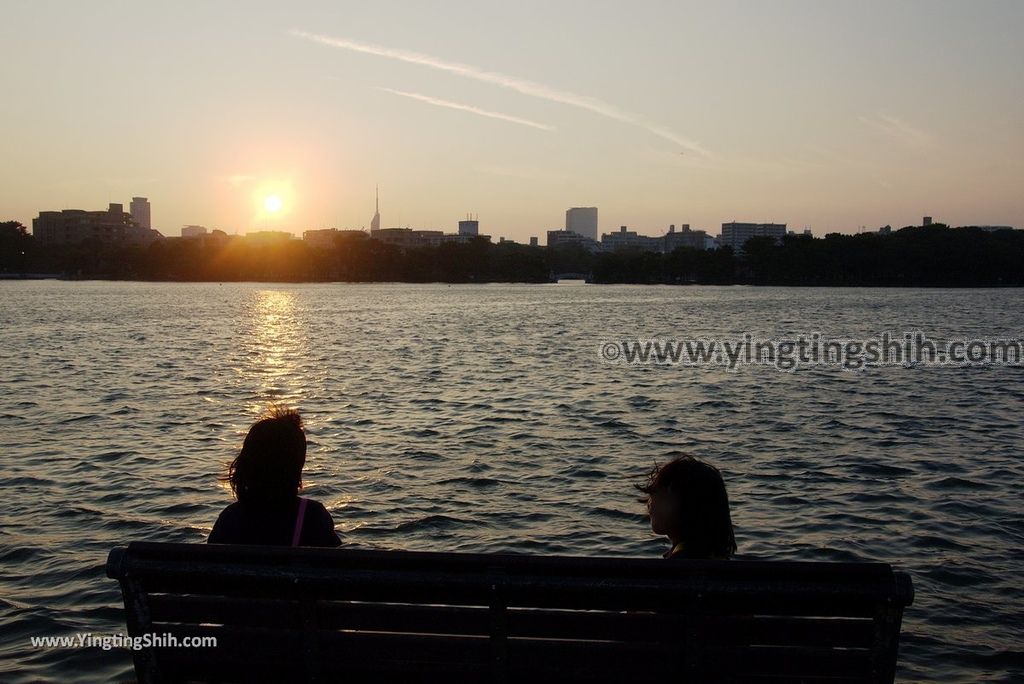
823	114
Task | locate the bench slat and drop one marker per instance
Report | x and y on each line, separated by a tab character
683	593
590	624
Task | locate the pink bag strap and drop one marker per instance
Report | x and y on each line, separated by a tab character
298	522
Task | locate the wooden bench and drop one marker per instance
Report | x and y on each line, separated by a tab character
282	614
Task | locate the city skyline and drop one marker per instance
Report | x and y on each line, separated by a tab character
581	222
847	117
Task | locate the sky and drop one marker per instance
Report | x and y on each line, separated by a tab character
828	115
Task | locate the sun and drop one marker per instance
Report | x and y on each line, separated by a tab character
272	203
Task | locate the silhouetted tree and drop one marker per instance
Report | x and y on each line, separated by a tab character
15	246
913	256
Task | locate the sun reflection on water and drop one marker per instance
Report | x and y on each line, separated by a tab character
275	345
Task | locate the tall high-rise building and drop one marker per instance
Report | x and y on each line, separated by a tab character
375	223
139	209
582	221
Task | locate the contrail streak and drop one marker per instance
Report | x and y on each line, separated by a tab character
467	108
519	85
897	128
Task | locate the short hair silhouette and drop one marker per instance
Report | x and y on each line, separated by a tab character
702	519
268	469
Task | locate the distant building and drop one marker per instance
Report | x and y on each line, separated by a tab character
735	234
884	230
533	241
410	238
375	221
327	238
582	221
926	221
694	239
139	209
463	237
320	238
217	237
268	237
72	226
630	239
207	238
407	237
469	230
562	238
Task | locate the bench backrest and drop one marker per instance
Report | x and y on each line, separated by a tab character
283	614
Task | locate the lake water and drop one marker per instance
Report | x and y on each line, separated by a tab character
481	418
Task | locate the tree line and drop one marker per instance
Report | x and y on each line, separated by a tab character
934	255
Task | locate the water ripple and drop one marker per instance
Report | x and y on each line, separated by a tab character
478	418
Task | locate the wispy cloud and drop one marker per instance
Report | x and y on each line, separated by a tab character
468	108
525	87
898	129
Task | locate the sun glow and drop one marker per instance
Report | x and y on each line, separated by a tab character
273	204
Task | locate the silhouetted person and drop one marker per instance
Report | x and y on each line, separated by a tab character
265	478
686	501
